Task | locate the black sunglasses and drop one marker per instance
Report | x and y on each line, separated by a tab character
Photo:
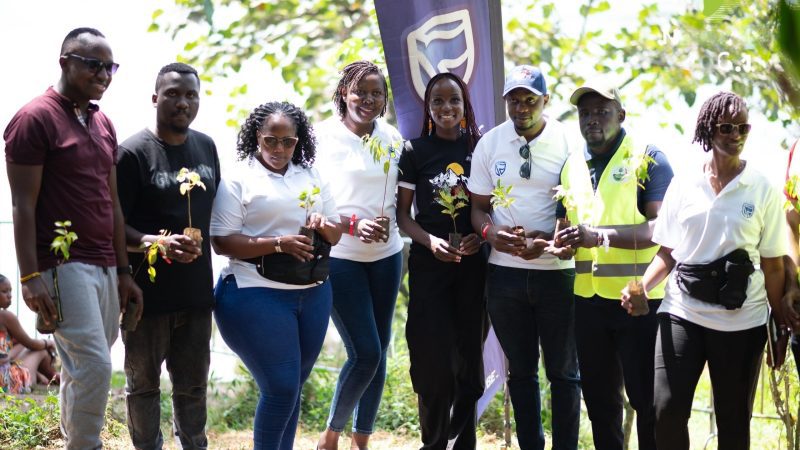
94	65
285	142
525	169
727	128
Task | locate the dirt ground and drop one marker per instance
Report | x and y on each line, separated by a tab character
243	440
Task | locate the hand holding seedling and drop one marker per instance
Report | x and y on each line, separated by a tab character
298	246
502	239
629	302
369	231
470	244
182	248
443	251
577	236
535	249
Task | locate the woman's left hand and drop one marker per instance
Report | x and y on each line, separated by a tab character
316	221
470	244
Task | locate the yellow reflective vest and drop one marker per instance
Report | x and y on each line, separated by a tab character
597	271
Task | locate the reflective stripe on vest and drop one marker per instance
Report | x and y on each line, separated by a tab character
598	272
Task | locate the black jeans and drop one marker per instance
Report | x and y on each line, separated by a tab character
529	308
182	340
446	319
616	350
734	361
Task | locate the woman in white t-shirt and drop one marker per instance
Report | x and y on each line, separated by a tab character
275	327
366	265
707	214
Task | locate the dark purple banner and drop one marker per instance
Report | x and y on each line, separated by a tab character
424	37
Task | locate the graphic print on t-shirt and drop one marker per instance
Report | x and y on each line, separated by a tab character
452	178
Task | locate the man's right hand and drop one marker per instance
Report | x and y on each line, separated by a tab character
38	299
182	248
503	240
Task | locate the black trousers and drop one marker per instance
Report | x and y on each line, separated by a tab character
616	350
446	319
734	361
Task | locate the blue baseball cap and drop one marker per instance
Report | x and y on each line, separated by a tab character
526	77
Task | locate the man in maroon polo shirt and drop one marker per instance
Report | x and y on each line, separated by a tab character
60	155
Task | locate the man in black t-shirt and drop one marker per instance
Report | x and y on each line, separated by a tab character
176	323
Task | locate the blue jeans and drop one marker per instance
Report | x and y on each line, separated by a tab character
529	308
364	295
278	335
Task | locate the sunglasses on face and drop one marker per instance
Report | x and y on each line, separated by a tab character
727	128
272	142
525	169
94	65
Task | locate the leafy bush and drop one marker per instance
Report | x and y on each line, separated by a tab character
26	424
232	406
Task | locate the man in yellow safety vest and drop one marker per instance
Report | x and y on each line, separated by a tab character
611	193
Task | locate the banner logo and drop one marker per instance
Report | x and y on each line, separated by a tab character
442	44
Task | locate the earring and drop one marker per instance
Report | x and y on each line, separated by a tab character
430	127
463	123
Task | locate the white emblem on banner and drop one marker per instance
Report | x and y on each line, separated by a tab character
455	27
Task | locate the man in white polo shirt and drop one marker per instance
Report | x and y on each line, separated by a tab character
530	292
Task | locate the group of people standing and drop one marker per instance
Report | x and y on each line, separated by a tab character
307	197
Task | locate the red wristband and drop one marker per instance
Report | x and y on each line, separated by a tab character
353	219
485	230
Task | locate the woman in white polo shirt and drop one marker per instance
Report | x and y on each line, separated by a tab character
707	214
366	265
275	326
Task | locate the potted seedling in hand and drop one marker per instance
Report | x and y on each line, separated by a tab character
308	198
450	192
501	198
189	180
567	198
382	154
152	251
636	171
60	247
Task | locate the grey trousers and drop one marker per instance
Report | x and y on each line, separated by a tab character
90	305
182	340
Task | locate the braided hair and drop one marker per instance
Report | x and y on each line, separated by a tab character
247	143
352	74
429	126
712	112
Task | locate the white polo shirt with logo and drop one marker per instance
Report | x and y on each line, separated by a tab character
497	157
358	183
700	226
254	201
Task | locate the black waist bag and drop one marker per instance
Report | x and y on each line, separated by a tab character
287	269
721	282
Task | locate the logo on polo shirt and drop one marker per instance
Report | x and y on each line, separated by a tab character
748	209
499	168
619	173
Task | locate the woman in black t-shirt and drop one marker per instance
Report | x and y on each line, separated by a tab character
446	309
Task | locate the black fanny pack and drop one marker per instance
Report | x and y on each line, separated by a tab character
721	282
285	268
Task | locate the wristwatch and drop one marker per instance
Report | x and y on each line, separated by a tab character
122	270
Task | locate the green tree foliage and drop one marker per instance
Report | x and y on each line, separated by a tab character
665	49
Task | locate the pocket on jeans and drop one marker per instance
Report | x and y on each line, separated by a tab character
568	273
